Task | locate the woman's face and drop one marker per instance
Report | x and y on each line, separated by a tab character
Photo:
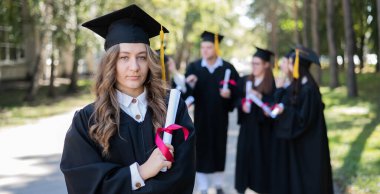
258	67
131	67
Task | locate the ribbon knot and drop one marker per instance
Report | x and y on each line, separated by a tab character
161	145
231	81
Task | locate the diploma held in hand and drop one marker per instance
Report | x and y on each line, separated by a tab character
227	75
248	88
263	106
174	97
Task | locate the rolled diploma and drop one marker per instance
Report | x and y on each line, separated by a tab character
227	75
248	88
260	103
276	110
171	113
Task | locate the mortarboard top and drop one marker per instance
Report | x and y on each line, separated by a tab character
263	54
210	37
306	56
128	25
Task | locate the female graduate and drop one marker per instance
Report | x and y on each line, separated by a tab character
255	137
110	147
301	162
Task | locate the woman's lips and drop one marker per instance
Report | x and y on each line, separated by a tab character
133	77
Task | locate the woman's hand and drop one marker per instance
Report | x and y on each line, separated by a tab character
155	163
280	81
247	107
225	93
192	80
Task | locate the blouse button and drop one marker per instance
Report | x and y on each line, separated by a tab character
137	117
134	100
138	185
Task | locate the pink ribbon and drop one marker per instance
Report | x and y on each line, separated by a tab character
245	100
231	81
161	145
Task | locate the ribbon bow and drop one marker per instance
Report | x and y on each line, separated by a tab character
231	81
160	144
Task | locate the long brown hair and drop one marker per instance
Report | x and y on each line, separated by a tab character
266	86
106	116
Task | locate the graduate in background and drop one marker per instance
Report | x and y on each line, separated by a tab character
211	108
110	147
301	158
255	136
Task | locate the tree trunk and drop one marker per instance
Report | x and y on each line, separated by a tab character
296	34
51	92
38	69
334	76
73	87
274	31
378	34
349	49
315	35
361	52
30	37
305	21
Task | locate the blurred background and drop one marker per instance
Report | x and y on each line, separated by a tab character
47	61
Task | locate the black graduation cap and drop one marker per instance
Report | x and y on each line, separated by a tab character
289	53
306	56
210	37
263	54
128	25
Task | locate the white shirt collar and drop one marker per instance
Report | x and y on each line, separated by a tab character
126	100
211	68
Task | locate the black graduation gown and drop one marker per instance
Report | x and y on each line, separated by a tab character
211	115
254	145
87	172
301	158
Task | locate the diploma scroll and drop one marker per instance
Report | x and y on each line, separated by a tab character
227	75
174	97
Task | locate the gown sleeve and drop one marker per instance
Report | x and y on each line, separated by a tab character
298	118
86	171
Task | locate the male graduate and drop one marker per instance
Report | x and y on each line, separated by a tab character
211	107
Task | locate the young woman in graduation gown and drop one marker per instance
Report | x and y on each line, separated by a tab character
301	159
110	147
255	137
211	108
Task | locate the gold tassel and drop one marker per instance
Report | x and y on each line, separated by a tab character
296	73
162	54
216	43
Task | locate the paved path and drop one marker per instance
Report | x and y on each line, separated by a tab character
30	156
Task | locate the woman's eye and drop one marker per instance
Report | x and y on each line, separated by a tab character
124	58
143	58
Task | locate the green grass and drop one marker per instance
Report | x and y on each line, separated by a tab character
354	134
14	111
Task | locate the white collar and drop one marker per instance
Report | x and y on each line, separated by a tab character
218	62
126	100
258	81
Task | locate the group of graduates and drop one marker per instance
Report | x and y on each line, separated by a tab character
285	154
111	146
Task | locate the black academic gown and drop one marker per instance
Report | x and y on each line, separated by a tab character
254	145
211	115
87	172
301	159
